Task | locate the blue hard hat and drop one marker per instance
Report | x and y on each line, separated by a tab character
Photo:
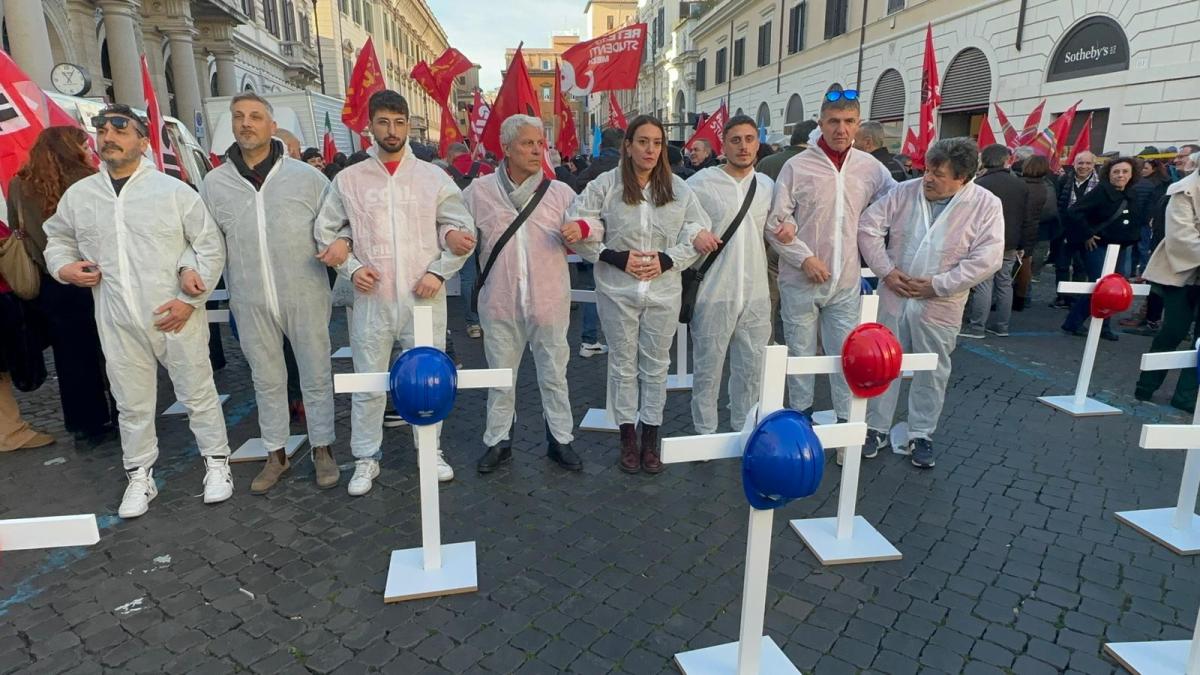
864	286
423	383
783	460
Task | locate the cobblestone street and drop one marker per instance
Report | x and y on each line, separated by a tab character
1013	561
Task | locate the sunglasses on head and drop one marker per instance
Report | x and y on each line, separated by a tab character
118	122
848	94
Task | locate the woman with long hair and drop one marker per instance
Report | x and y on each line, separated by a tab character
60	157
653	229
1042	206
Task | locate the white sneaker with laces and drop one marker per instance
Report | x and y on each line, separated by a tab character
365	473
218	481
138	495
588	350
444	471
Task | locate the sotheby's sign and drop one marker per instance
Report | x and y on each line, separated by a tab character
1094	46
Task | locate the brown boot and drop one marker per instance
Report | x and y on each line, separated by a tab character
277	465
325	468
650	460
630	462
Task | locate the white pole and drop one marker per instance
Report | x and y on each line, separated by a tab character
431	521
1185	510
1193	662
848	490
754	591
681	350
1093	337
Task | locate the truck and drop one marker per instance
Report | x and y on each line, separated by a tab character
300	112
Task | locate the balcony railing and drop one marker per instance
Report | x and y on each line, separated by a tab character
301	59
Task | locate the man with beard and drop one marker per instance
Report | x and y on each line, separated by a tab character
397	228
265	204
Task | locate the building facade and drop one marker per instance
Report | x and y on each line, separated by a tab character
605	16
1130	65
666	81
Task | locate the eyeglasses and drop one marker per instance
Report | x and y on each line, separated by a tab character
839	94
118	122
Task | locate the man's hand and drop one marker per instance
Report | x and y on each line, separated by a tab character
899	283
571	232
174	316
460	242
815	270
364	279
706	242
785	233
336	253
921	288
1092	243
191	283
84	273
427	286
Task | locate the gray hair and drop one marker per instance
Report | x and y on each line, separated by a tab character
873	132
513	125
251	96
961	154
994	156
1023	153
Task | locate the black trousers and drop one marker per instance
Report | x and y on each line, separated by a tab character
83	390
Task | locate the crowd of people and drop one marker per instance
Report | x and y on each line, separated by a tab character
753	246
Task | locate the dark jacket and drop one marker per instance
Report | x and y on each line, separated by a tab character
1066	183
1105	212
607	161
1035	211
1020	226
1150	205
1049	227
771	166
564	174
888	160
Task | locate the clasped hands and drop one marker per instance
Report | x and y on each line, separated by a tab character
909	287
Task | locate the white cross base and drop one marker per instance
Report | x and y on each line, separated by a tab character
433	569
253	450
24	534
211	316
1177	528
1160	657
342	353
753	653
1078	404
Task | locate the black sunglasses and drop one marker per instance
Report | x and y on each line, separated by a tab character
848	94
118	122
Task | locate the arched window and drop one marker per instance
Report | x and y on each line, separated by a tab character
1094	46
764	116
887	101
794	113
968	82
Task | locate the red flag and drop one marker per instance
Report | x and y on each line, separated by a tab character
437	79
24	111
986	137
1006	127
711	130
365	79
568	137
931	98
910	143
1083	142
364	141
608	62
153	116
616	117
329	145
1031	124
516	97
476	122
1053	138
450	133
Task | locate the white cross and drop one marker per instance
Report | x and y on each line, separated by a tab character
1079	405
849	538
23	534
433	569
211	316
753	653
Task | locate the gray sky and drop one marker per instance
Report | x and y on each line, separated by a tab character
483	29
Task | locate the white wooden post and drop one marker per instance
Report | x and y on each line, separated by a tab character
849	538
1078	404
754	653
681	379
1176	528
23	534
434	569
211	316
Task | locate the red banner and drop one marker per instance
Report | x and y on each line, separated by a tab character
986	137
567	142
1083	142
1053	139
1006	128
910	144
931	98
1031	124
437	79
365	79
711	130
153	116
476	122
608	62
27	110
516	97
616	116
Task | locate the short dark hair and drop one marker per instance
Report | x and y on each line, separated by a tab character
387	100
1035	167
994	156
841	103
802	131
961	154
1191	146
1135	168
738	120
125	111
612	138
310	153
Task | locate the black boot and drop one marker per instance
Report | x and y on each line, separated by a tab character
631	461
494	457
562	454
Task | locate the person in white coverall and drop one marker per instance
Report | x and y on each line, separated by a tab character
396	226
265	204
929	241
653	228
148	248
733	306
526	298
819	196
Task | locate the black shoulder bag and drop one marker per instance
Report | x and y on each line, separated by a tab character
512	229
692	277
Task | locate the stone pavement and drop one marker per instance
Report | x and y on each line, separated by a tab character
1013	561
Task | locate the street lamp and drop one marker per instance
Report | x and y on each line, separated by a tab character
320	59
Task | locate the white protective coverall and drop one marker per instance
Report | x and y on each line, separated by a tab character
960	248
527	296
639	317
140	240
398	225
733	305
278	288
824	204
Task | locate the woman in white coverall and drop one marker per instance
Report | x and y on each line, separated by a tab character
944	234
148	248
733	306
527	295
653	228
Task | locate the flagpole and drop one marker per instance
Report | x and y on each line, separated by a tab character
320	59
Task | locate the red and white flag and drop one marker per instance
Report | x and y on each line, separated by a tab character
711	130
931	99
616	116
1083	142
328	144
910	144
476	121
567	142
1053	139
608	62
24	111
1031	124
164	155
1006	128
986	137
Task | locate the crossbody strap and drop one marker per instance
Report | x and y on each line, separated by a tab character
512	229
732	229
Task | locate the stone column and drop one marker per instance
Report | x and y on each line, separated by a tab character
81	17
123	49
227	83
183	69
29	39
202	71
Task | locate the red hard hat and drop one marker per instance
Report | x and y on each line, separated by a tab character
871	359
1112	295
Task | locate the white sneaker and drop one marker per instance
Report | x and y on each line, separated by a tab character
365	473
218	481
445	473
391	421
138	495
588	350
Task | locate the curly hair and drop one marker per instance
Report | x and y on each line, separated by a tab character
57	160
